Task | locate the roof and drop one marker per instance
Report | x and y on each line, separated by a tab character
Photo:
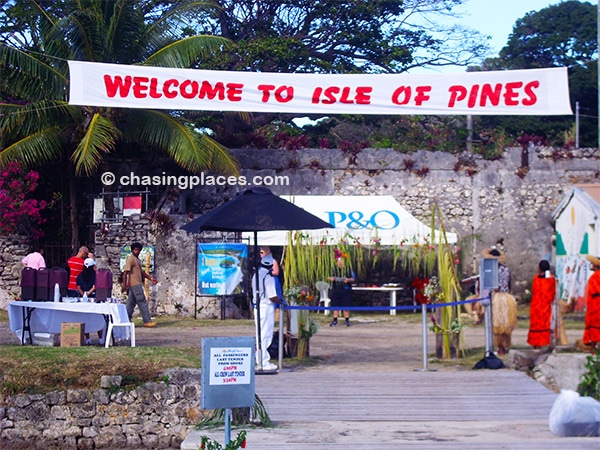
583	196
593	190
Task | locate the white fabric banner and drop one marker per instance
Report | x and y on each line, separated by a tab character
356	218
516	92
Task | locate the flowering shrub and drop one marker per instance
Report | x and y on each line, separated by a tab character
300	295
16	210
433	291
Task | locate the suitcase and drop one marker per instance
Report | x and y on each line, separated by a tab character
42	286
60	276
28	281
104	282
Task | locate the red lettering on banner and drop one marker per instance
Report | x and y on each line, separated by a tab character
117	84
508	94
210	93
140	87
234	92
283	94
403	95
531	97
153	91
511	96
170	93
422	94
189	89
346	95
266	90
491	94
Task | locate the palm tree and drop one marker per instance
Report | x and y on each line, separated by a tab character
38	125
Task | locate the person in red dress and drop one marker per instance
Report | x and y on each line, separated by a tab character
543	292
591	332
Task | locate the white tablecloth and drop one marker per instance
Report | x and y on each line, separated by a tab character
47	317
391	290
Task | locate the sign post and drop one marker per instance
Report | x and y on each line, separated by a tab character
227	376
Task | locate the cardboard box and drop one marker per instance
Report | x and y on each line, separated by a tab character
71	334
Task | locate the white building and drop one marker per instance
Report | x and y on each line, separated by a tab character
577	231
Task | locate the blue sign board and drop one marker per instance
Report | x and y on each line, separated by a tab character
220	268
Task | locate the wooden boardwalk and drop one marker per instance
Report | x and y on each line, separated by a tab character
501	409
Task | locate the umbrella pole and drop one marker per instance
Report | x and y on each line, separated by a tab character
257	301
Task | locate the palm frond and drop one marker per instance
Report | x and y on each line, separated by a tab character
43	146
188	148
28	77
100	137
186	52
17	121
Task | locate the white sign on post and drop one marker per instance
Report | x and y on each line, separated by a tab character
227	377
230	366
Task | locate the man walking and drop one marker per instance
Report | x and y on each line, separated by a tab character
133	279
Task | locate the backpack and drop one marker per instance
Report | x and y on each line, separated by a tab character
278	289
490	361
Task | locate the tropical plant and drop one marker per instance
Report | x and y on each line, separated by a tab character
18	211
38	125
589	385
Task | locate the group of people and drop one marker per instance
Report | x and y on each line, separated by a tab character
82	279
265	283
543	295
82	283
542	307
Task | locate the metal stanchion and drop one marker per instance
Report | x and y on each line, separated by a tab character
425	367
487	315
281	314
227	425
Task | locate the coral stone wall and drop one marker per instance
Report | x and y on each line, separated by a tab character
153	415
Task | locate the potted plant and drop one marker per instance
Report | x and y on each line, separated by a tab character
302	324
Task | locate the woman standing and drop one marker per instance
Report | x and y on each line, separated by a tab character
591	332
543	292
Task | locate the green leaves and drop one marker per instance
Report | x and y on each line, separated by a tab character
100	137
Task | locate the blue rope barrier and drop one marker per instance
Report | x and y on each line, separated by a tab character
380	308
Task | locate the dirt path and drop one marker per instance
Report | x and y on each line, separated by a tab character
373	341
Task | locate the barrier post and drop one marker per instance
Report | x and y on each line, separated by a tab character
280	349
425	367
487	315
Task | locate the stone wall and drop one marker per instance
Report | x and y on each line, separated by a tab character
153	415
12	250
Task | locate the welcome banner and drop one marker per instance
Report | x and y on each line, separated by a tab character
516	92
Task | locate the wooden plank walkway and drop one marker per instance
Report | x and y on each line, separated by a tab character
502	409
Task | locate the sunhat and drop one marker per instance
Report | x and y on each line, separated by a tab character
593	259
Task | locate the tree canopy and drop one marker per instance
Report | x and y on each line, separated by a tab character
333	36
561	35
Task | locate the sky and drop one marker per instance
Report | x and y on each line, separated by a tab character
496	18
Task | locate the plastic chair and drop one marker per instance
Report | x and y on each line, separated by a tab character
109	332
323	289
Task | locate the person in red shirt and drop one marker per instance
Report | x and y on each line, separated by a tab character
75	264
591	332
543	292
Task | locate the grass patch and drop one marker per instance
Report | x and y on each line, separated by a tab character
33	369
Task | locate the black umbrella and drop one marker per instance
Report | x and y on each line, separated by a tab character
256	209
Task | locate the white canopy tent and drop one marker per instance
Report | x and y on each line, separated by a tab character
364	218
